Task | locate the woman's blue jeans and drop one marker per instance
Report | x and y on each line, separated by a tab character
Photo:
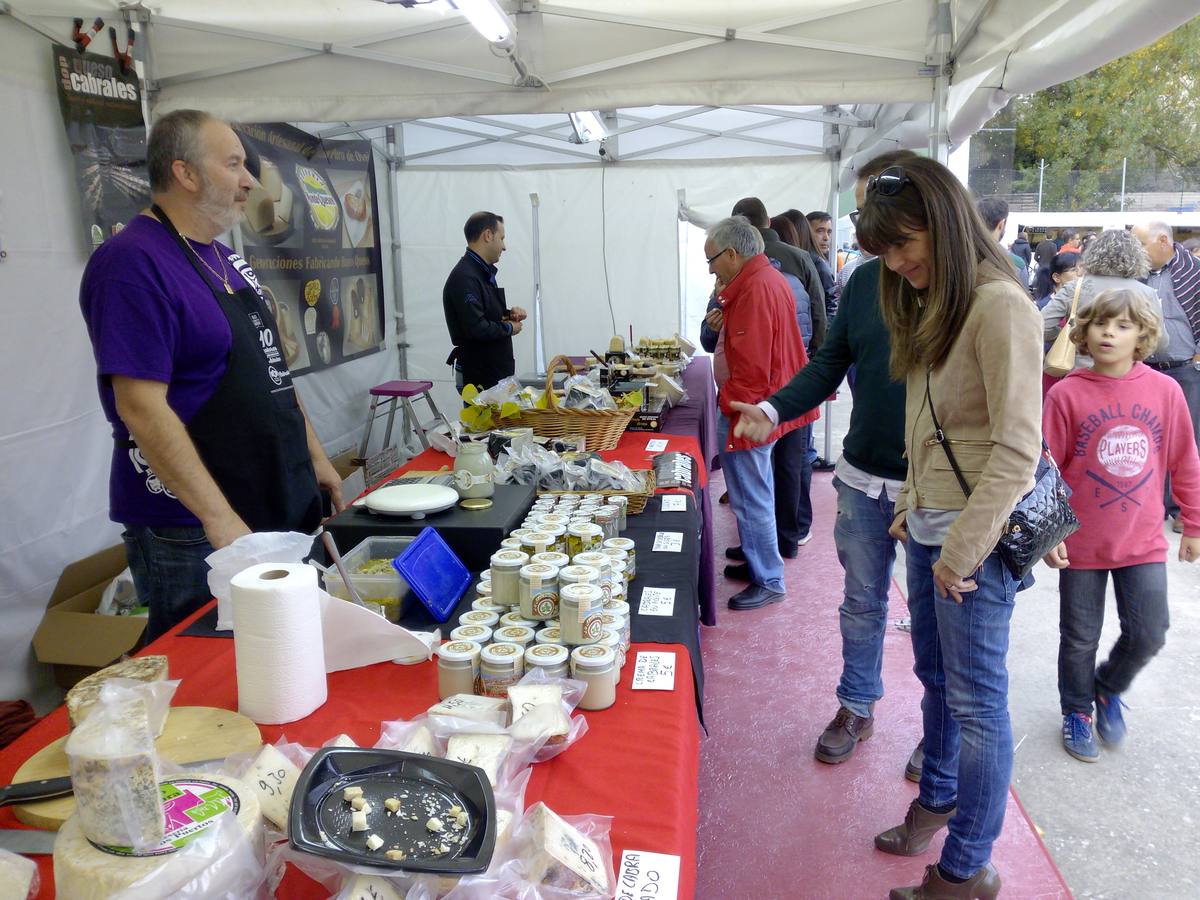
960	655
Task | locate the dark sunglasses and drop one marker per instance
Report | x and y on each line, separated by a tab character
889	182
715	256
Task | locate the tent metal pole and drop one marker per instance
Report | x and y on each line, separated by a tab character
940	65
395	158
835	166
681	261
144	51
539	330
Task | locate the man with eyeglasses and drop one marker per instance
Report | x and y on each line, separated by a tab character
868	478
762	350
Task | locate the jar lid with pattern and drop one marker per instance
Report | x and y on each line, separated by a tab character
547	655
509	559
593	656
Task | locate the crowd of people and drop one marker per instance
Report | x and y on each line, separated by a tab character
947	430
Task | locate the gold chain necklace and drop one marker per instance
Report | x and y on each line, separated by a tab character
222	276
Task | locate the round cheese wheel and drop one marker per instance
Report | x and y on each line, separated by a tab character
191	804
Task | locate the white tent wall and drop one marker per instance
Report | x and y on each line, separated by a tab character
627	213
55	444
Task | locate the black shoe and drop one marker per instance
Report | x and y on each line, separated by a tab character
739	572
788	550
735	553
754	597
822	465
912	769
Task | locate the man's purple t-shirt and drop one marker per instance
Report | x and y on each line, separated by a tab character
151	316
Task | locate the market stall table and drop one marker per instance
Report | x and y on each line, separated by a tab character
638	762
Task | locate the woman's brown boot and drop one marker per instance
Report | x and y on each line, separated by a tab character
911	838
983	885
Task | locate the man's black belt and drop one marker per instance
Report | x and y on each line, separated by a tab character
1169	364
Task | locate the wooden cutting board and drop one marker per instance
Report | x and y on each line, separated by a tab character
191	734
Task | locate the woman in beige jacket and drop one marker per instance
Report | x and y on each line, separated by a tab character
968	342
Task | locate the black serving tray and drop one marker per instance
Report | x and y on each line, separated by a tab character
319	819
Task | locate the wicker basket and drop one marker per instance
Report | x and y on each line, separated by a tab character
637	499
602	427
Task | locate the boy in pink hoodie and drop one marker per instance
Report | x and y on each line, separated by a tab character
1117	430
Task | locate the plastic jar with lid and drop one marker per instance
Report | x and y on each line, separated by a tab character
458	668
617	623
581	538
538	591
511	543
506	568
617	592
483	590
480	634
500	666
479	617
550	635
574	574
608	518
553	518
579	612
593	498
552	659
596	666
612	639
486	605
621	502
568	497
630	549
537	542
518	533
620	573
521	635
515	618
617	608
553	558
558	535
602	564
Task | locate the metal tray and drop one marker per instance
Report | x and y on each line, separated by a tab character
319	819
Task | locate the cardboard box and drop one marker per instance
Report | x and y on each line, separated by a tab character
72	637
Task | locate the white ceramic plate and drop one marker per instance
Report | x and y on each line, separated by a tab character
414	500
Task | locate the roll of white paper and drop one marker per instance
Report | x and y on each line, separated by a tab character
277	642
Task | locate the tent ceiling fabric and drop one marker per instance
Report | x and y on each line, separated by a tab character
365	61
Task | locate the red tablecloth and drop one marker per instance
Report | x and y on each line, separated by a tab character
639	761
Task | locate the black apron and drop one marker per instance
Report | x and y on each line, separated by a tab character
250	433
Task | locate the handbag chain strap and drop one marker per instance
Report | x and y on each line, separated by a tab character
940	437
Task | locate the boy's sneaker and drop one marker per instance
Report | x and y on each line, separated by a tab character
1078	739
1110	723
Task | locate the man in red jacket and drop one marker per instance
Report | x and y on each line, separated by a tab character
763	350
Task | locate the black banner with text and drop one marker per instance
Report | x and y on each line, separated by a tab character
102	109
311	233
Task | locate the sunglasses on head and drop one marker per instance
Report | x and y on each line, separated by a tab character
889	182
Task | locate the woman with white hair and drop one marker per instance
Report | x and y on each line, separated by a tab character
1114	260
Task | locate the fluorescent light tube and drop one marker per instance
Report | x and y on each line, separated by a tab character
488	19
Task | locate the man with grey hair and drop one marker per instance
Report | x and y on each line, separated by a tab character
1175	276
763	350
210	440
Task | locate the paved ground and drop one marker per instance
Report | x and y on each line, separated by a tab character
1128	826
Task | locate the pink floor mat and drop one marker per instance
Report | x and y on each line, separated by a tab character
774	822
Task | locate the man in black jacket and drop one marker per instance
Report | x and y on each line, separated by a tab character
480	323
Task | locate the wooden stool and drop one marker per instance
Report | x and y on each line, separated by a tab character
404	391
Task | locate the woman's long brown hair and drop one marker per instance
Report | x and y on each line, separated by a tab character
925	324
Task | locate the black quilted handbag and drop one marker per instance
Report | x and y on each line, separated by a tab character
1042	519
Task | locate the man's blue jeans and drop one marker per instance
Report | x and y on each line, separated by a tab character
751	483
169	572
1188	378
960	652
867	554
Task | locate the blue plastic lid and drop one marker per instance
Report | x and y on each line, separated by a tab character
435	574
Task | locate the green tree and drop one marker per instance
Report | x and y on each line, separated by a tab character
1144	106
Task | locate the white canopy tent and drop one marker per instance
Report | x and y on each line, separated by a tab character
796	93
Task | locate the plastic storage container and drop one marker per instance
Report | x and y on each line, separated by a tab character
386	592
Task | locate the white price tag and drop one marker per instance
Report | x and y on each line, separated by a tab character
669	541
656	445
674	502
657	602
644	875
654	672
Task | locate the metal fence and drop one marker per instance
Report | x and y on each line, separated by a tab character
1047	188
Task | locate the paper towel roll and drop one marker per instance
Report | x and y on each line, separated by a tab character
277	642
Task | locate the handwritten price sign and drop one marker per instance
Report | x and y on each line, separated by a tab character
657	602
654	672
647	876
